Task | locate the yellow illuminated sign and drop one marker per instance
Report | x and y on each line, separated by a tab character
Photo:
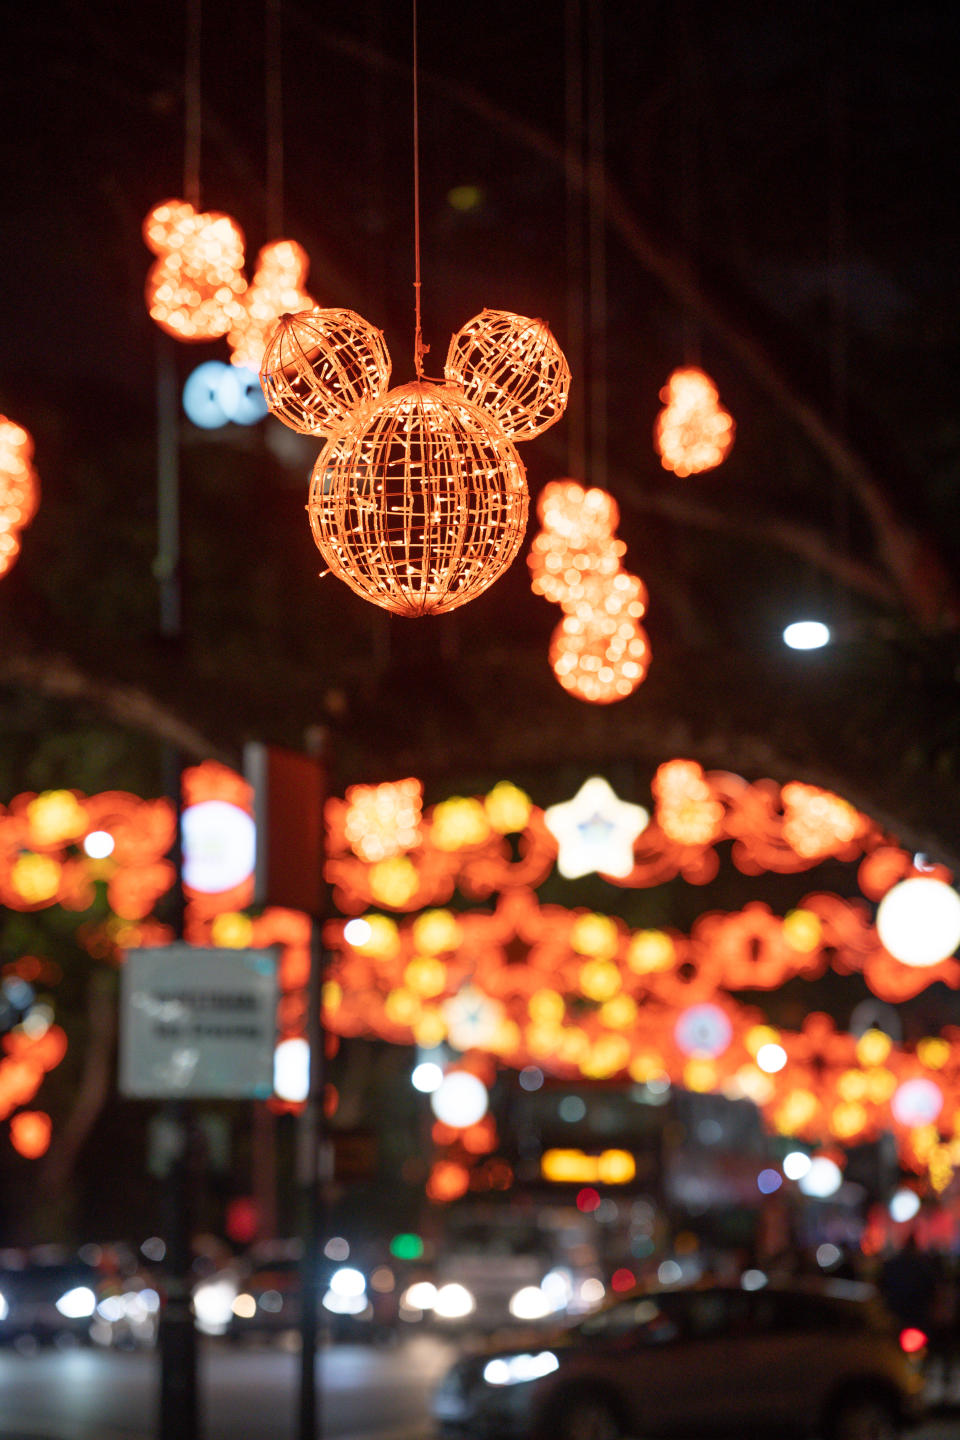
574	1167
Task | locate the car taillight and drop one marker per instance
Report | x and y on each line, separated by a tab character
912	1340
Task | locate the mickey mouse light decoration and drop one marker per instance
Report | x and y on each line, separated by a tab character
418	500
693	432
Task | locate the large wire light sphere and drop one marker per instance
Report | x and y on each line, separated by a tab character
513	368
419	503
19	488
321	366
193	288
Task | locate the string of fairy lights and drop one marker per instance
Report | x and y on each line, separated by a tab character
503	979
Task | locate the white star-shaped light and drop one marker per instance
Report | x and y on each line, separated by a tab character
595	831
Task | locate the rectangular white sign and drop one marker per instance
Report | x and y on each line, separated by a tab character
198	1023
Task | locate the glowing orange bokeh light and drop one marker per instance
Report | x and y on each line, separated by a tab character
276	289
599	651
694	432
383	820
194	287
19	489
30	1133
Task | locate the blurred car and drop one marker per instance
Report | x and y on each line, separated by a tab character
821	1359
46	1295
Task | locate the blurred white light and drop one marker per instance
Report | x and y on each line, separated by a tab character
806	635
240	395
822	1180
592	1291
427	1077
461	1099
796	1164
150	1300
771	1058
219	846
918	921
112	1308
904	1204
669	1273
347	1281
753	1280
344	1304
420	1295
515	1369
291	1070
557	1286
703	1030
529	1303
827	1255
154	1248
245	1307
213	1306
337	1248
917	1102
98	844
453	1302
530	1077
4	1307
357	932
77	1303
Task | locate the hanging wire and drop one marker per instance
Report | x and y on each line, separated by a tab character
419	349
576	247
192	108
273	78
597	232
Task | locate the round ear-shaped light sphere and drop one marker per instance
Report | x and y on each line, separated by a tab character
513	368
918	921
420	503
321	366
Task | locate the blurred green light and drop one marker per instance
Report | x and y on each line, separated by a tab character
406	1247
465	198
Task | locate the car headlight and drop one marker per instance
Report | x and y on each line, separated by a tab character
213	1306
514	1369
4	1307
453	1302
78	1303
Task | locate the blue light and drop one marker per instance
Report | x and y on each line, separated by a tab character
769	1181
216	394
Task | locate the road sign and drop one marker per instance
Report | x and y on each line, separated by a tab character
197	1023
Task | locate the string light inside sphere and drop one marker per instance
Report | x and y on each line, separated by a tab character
320	367
512	367
420	503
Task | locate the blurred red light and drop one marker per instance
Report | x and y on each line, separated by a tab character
587	1199
623	1279
912	1340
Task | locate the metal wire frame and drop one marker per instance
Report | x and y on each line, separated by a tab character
420	503
513	368
321	367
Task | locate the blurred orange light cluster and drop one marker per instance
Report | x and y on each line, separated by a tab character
383	820
276	289
196	288
19	488
599	651
693	432
30	1133
687	809
815	821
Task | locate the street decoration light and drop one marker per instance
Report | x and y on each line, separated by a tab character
19	488
418	501
919	921
693	432
599	651
575	993
193	288
595	831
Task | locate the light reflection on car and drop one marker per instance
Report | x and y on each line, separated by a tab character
809	1359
